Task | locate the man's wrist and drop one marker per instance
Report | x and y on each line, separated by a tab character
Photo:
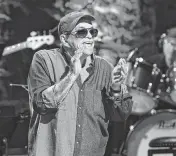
115	90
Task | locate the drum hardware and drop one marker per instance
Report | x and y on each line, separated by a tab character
136	63
155	70
19	85
140	59
152	112
132	82
149	88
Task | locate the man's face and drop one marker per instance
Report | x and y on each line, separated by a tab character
81	37
169	47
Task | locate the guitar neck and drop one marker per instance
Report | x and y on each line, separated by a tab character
14	48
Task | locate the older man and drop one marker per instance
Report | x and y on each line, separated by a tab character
71	92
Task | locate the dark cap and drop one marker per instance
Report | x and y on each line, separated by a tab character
171	32
69	21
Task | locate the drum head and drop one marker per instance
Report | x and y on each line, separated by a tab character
142	102
157	126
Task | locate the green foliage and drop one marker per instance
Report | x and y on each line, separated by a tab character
6	5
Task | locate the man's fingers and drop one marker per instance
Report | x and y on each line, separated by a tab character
123	64
117	78
116	69
122	61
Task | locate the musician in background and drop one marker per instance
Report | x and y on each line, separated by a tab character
164	57
166	61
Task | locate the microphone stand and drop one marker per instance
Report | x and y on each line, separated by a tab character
19	85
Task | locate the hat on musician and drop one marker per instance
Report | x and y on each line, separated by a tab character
171	32
69	21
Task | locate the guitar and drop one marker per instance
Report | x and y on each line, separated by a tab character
34	42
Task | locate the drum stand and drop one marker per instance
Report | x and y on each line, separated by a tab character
4	147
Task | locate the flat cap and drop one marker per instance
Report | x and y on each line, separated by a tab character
68	22
171	32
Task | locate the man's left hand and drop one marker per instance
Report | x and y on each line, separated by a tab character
119	74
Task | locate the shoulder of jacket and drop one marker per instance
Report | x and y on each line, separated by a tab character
48	53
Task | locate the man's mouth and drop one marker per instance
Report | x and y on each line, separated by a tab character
88	43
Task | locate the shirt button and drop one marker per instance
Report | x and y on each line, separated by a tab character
79	125
79	107
77	142
81	90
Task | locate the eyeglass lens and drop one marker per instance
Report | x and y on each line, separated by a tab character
83	33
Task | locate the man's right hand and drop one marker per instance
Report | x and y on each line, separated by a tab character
76	63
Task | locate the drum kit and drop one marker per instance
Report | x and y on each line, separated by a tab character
154	134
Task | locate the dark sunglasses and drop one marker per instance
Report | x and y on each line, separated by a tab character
82	33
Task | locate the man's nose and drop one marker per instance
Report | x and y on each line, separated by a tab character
89	34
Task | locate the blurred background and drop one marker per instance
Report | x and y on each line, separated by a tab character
124	24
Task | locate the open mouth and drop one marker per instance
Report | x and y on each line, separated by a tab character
88	43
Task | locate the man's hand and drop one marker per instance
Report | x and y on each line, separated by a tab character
119	74
75	61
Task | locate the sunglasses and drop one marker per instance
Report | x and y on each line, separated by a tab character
82	33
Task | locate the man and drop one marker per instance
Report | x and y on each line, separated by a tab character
166	62
70	93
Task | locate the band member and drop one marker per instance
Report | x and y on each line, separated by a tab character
164	60
71	92
167	65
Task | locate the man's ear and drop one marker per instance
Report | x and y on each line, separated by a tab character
63	39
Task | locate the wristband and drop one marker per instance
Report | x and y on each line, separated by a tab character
115	91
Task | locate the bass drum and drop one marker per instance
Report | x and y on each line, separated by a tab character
153	135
